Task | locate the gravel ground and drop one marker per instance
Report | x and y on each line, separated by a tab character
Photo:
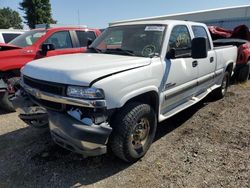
207	145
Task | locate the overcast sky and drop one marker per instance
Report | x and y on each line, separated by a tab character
100	13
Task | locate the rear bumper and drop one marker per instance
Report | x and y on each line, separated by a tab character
75	136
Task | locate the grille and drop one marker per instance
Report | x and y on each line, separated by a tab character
49	87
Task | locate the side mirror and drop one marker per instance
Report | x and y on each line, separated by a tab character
89	42
47	47
199	48
170	54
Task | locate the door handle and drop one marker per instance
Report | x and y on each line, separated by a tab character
211	59
195	63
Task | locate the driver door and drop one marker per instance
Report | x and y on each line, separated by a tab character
181	73
62	42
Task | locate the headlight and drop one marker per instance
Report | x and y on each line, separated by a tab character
85	93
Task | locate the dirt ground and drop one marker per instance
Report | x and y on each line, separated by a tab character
207	145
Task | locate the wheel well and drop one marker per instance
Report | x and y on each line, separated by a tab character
151	98
230	68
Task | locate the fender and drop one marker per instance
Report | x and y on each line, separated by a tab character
136	93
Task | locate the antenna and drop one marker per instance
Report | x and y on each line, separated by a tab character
78	15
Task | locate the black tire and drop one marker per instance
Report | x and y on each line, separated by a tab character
5	102
220	92
243	73
133	132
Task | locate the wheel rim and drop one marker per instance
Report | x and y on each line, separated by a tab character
140	134
224	86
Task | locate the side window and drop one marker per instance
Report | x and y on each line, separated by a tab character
83	37
200	31
9	36
60	39
180	40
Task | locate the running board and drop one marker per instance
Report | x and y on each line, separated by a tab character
185	105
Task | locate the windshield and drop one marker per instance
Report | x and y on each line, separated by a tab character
134	40
28	38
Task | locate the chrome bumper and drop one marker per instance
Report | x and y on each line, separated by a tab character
27	109
62	99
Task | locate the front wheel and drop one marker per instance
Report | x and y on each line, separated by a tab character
5	102
5	98
220	92
134	130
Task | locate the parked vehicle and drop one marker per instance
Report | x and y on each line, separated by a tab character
7	35
36	44
133	76
240	37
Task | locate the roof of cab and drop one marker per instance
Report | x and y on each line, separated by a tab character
160	22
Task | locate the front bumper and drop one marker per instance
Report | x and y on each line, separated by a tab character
73	135
27	109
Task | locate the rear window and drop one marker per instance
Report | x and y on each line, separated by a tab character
200	31
9	36
83	37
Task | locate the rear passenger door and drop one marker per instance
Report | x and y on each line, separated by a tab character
206	66
83	37
180	82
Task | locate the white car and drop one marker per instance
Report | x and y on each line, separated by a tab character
6	35
133	76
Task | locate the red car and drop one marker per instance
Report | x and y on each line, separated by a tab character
240	37
34	44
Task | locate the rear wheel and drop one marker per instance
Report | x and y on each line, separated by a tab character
134	130
244	72
222	90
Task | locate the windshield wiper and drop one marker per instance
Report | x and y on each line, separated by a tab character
127	52
154	55
95	49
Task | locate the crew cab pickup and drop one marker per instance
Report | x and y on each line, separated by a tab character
133	76
35	44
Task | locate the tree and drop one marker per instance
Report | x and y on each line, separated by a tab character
10	18
37	12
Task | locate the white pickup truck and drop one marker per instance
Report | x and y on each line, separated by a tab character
133	76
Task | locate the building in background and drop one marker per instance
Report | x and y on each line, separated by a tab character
228	18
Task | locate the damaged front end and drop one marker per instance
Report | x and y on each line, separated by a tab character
79	125
31	113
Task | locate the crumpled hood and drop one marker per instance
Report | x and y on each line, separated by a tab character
81	69
4	47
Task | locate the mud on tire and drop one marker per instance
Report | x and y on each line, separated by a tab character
134	130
